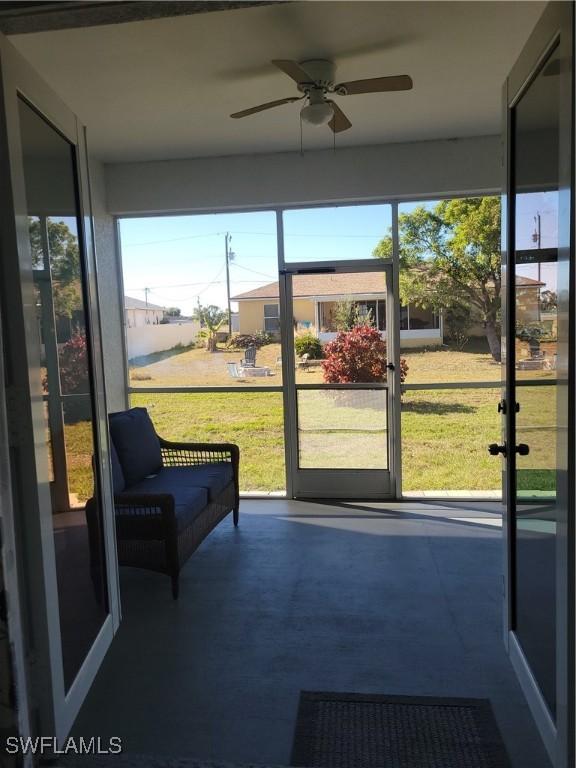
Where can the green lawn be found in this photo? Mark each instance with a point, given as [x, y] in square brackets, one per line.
[444, 433]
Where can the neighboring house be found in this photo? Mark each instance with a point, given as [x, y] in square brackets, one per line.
[528, 304]
[315, 301]
[138, 313]
[316, 297]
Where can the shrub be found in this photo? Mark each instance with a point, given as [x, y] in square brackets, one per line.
[73, 360]
[245, 340]
[73, 363]
[458, 322]
[308, 344]
[357, 356]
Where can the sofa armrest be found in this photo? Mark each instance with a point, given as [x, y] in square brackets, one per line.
[181, 454]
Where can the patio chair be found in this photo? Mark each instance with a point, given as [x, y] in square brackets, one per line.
[249, 360]
[235, 370]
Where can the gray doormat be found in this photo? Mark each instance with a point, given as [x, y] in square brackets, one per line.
[352, 730]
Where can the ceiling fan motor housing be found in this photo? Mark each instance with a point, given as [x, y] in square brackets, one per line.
[321, 73]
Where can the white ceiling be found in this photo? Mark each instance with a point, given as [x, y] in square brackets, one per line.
[164, 88]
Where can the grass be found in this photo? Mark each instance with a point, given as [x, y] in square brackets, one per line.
[198, 367]
[79, 441]
[444, 433]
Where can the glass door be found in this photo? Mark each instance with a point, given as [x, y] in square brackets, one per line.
[340, 379]
[539, 364]
[55, 393]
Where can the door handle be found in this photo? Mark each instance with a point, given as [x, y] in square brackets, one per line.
[494, 449]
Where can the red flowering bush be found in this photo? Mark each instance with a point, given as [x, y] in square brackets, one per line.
[357, 356]
[73, 359]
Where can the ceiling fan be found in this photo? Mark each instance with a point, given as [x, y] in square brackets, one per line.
[315, 80]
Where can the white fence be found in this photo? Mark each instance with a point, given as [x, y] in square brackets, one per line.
[143, 340]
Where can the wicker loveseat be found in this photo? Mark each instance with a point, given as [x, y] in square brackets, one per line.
[168, 496]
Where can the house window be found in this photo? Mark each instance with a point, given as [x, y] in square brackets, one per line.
[271, 318]
[404, 318]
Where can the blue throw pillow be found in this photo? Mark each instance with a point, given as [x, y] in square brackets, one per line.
[118, 482]
[136, 443]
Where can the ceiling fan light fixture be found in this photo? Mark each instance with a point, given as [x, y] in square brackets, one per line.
[317, 114]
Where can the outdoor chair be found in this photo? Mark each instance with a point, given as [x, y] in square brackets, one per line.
[304, 362]
[249, 360]
[168, 496]
[236, 371]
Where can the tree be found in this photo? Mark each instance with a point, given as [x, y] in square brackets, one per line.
[210, 319]
[450, 256]
[173, 312]
[548, 301]
[64, 263]
[347, 315]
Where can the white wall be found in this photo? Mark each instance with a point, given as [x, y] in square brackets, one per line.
[110, 294]
[143, 340]
[420, 169]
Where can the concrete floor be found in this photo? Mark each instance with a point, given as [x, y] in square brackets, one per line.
[399, 599]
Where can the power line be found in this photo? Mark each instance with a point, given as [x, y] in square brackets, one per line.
[255, 271]
[171, 240]
[238, 232]
[154, 288]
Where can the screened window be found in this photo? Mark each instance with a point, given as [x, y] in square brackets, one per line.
[271, 318]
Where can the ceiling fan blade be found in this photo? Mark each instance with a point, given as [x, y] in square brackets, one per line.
[339, 122]
[268, 105]
[293, 70]
[375, 85]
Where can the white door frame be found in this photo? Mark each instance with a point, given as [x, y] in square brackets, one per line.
[36, 558]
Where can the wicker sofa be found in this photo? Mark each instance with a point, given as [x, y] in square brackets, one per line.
[168, 496]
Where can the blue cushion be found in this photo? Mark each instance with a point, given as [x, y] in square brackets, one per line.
[189, 500]
[136, 443]
[214, 477]
[118, 482]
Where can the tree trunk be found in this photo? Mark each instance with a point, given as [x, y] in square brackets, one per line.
[493, 341]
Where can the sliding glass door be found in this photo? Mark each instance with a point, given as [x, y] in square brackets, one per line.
[56, 407]
[539, 379]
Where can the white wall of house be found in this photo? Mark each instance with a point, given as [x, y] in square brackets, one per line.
[417, 169]
[427, 337]
[145, 339]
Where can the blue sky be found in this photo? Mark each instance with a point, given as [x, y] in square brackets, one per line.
[181, 258]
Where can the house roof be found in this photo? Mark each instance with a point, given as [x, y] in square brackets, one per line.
[131, 303]
[339, 284]
[527, 282]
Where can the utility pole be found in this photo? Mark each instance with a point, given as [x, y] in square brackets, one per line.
[229, 257]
